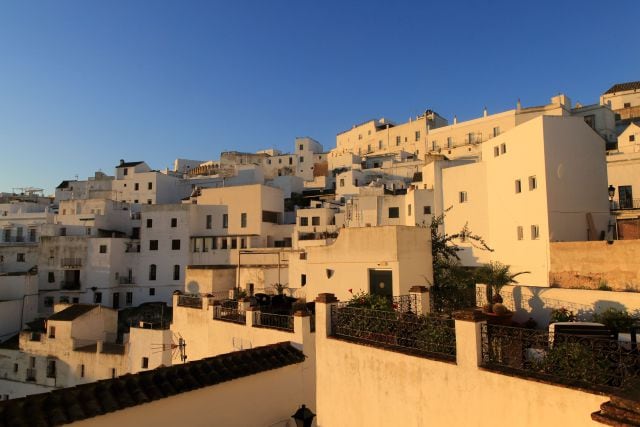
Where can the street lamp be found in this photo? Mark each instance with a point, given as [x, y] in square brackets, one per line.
[612, 193]
[303, 417]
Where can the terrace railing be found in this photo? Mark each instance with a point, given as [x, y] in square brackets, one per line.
[406, 332]
[229, 314]
[190, 301]
[594, 363]
[273, 321]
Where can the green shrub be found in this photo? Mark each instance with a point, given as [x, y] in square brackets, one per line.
[562, 315]
[614, 319]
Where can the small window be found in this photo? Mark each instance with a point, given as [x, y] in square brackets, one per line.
[153, 245]
[243, 243]
[341, 182]
[51, 277]
[145, 363]
[301, 159]
[315, 220]
[15, 367]
[632, 138]
[149, 223]
[434, 145]
[303, 279]
[234, 243]
[149, 201]
[129, 298]
[152, 272]
[176, 272]
[125, 172]
[103, 249]
[496, 131]
[243, 220]
[535, 232]
[304, 221]
[175, 244]
[462, 197]
[496, 151]
[97, 297]
[426, 210]
[398, 140]
[627, 105]
[518, 186]
[52, 331]
[449, 142]
[394, 212]
[174, 222]
[152, 291]
[225, 220]
[520, 232]
[209, 222]
[503, 148]
[20, 257]
[303, 255]
[150, 186]
[136, 186]
[380, 145]
[417, 135]
[533, 183]
[224, 244]
[82, 371]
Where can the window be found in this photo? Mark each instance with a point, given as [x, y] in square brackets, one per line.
[417, 135]
[152, 272]
[175, 244]
[63, 231]
[209, 221]
[149, 201]
[518, 186]
[315, 220]
[82, 371]
[449, 142]
[243, 243]
[503, 148]
[533, 183]
[243, 220]
[150, 186]
[88, 231]
[174, 222]
[51, 368]
[125, 172]
[632, 138]
[145, 363]
[301, 159]
[97, 297]
[398, 140]
[153, 245]
[7, 235]
[20, 257]
[225, 220]
[496, 131]
[176, 272]
[369, 148]
[149, 223]
[52, 331]
[341, 182]
[394, 212]
[224, 244]
[234, 243]
[51, 277]
[152, 291]
[304, 221]
[136, 186]
[590, 120]
[32, 234]
[627, 105]
[290, 160]
[434, 145]
[409, 210]
[535, 232]
[129, 298]
[103, 249]
[496, 151]
[520, 233]
[301, 147]
[426, 210]
[303, 279]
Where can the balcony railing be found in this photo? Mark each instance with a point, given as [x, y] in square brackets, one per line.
[71, 262]
[591, 362]
[424, 336]
[126, 280]
[190, 301]
[273, 321]
[626, 204]
[229, 314]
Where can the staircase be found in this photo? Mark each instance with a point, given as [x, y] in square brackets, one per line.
[620, 411]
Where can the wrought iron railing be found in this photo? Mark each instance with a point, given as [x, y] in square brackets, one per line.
[273, 321]
[447, 300]
[626, 204]
[579, 361]
[190, 301]
[229, 314]
[425, 336]
[71, 262]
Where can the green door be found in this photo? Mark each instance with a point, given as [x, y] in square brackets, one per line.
[380, 283]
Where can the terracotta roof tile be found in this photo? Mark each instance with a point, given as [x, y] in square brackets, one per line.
[621, 87]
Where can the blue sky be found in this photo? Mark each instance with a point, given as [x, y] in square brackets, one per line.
[84, 84]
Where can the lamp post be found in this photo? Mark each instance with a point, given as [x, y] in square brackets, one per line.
[303, 417]
[612, 193]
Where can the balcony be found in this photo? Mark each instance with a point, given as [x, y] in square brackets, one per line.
[70, 285]
[625, 204]
[125, 280]
[71, 262]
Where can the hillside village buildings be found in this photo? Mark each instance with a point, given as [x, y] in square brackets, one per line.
[303, 224]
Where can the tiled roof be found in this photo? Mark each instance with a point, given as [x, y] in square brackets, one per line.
[72, 312]
[128, 164]
[89, 400]
[621, 87]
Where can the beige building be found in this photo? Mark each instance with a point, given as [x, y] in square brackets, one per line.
[624, 100]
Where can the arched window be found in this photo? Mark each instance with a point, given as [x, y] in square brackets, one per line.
[152, 272]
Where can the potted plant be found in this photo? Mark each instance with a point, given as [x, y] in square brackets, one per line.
[496, 275]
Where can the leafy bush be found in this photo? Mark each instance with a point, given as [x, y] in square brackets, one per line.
[576, 361]
[370, 301]
[562, 314]
[614, 319]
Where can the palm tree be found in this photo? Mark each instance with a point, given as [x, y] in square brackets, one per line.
[496, 275]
